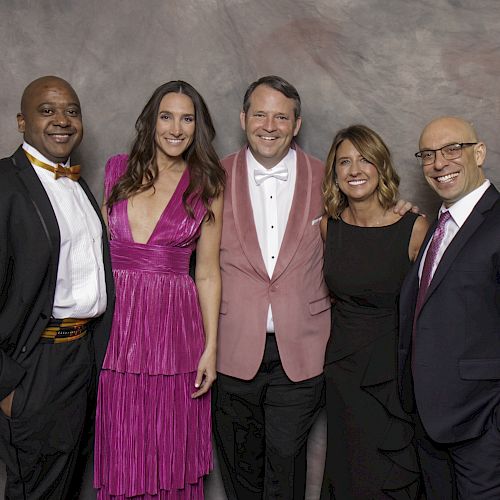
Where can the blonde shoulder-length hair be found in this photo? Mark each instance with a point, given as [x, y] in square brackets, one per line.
[371, 146]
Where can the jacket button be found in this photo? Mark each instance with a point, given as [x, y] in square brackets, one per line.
[24, 348]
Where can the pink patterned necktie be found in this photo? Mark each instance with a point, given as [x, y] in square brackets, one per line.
[430, 259]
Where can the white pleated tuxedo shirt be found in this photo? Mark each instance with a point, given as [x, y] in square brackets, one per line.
[271, 202]
[81, 286]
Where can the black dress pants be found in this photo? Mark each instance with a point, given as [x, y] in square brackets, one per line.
[45, 442]
[435, 462]
[261, 428]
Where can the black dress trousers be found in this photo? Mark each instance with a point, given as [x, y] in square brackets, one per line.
[45, 443]
[261, 428]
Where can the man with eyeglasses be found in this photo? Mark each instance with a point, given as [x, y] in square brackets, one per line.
[449, 348]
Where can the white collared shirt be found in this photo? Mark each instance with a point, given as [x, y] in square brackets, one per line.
[81, 286]
[459, 212]
[271, 202]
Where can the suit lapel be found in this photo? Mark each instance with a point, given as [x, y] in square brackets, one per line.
[469, 227]
[243, 214]
[39, 198]
[299, 213]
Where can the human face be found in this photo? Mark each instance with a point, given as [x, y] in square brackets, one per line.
[270, 125]
[51, 119]
[356, 176]
[453, 179]
[175, 126]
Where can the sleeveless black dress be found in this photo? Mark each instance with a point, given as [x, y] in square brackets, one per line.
[370, 454]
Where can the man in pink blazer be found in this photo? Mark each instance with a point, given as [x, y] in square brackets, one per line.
[275, 312]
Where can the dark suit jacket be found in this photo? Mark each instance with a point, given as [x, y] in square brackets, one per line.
[29, 255]
[456, 344]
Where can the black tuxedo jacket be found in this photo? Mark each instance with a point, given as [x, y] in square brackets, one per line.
[456, 344]
[29, 255]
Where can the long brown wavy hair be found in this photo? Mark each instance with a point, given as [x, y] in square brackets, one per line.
[371, 146]
[207, 177]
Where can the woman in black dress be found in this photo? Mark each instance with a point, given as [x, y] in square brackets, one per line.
[368, 251]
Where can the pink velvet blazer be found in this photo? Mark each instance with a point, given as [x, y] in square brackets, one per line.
[296, 291]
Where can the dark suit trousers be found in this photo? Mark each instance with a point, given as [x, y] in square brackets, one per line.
[261, 428]
[46, 441]
[477, 463]
[436, 465]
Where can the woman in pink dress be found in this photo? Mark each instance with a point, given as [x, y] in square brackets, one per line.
[163, 200]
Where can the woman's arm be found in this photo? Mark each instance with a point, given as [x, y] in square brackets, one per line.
[323, 225]
[208, 282]
[417, 237]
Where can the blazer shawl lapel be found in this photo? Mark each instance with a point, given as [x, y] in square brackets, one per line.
[469, 227]
[40, 200]
[299, 214]
[243, 215]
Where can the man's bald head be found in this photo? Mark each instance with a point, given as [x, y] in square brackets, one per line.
[50, 118]
[456, 156]
[40, 84]
[460, 126]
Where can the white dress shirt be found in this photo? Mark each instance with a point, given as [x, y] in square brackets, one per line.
[459, 212]
[271, 202]
[81, 286]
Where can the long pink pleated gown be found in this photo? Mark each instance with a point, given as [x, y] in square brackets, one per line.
[152, 439]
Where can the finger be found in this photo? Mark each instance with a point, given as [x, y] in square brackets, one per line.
[199, 377]
[205, 387]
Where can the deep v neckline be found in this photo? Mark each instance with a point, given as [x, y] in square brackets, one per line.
[162, 214]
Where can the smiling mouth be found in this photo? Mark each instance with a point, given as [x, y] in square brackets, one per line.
[443, 179]
[61, 137]
[357, 182]
[175, 141]
[267, 137]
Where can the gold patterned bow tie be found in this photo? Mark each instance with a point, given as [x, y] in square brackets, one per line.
[72, 172]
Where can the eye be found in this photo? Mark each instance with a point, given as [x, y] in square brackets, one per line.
[46, 111]
[282, 117]
[259, 115]
[426, 155]
[73, 112]
[344, 162]
[364, 160]
[164, 116]
[452, 148]
[189, 119]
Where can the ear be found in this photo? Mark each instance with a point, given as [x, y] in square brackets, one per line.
[298, 123]
[480, 153]
[21, 124]
[243, 117]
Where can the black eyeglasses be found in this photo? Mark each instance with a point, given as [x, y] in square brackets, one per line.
[449, 152]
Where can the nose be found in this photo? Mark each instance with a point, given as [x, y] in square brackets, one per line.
[354, 169]
[440, 160]
[61, 119]
[176, 128]
[269, 124]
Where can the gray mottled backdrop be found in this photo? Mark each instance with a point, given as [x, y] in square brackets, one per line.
[390, 64]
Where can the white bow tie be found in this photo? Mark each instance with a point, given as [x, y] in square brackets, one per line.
[280, 173]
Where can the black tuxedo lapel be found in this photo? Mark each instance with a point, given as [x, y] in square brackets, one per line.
[41, 205]
[469, 227]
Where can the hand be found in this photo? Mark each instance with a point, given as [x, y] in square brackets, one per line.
[206, 373]
[6, 404]
[403, 206]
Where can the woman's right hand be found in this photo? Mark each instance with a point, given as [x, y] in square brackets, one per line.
[6, 404]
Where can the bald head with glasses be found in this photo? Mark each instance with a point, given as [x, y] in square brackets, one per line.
[451, 156]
